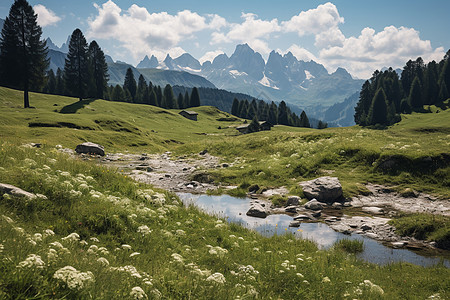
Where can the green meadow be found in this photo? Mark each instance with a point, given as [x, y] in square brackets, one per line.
[94, 234]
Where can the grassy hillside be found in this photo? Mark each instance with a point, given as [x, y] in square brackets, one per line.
[92, 233]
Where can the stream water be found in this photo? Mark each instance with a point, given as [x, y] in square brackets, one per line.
[234, 209]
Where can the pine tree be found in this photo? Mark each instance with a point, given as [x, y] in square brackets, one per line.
[152, 98]
[169, 97]
[23, 55]
[378, 109]
[141, 89]
[59, 82]
[76, 71]
[187, 100]
[129, 84]
[118, 94]
[159, 96]
[322, 125]
[195, 98]
[273, 113]
[99, 69]
[180, 101]
[304, 121]
[244, 110]
[50, 86]
[415, 94]
[443, 92]
[363, 105]
[431, 87]
[254, 125]
[235, 107]
[282, 114]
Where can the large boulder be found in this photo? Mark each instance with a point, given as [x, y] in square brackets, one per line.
[90, 148]
[257, 210]
[325, 189]
[15, 191]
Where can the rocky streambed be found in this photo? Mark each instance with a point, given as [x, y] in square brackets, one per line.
[367, 215]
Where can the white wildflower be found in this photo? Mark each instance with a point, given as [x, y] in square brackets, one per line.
[48, 232]
[256, 249]
[83, 187]
[103, 261]
[138, 293]
[2, 248]
[372, 287]
[300, 275]
[103, 251]
[73, 237]
[144, 230]
[232, 236]
[326, 279]
[305, 281]
[219, 251]
[134, 254]
[32, 261]
[19, 230]
[83, 243]
[41, 197]
[90, 178]
[177, 257]
[92, 249]
[52, 255]
[156, 294]
[8, 219]
[126, 247]
[147, 282]
[75, 280]
[216, 278]
[64, 174]
[32, 242]
[57, 245]
[435, 296]
[221, 225]
[75, 193]
[37, 237]
[94, 239]
[128, 269]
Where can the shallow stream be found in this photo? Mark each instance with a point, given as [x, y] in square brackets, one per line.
[234, 209]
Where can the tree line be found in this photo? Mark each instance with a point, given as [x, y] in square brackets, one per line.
[386, 95]
[272, 113]
[150, 94]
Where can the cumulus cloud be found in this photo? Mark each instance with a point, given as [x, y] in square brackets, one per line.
[142, 32]
[370, 50]
[210, 55]
[252, 30]
[323, 22]
[45, 17]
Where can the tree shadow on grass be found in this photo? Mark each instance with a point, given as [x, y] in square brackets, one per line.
[74, 107]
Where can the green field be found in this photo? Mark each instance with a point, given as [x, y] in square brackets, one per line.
[130, 235]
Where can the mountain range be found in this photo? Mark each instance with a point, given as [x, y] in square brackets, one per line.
[282, 77]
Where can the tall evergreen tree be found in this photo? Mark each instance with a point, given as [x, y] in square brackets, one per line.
[153, 100]
[98, 68]
[187, 100]
[76, 70]
[431, 87]
[141, 88]
[170, 98]
[235, 107]
[254, 125]
[363, 105]
[273, 114]
[378, 109]
[304, 121]
[415, 94]
[195, 98]
[283, 114]
[59, 82]
[50, 86]
[23, 55]
[129, 83]
[159, 97]
[443, 92]
[118, 94]
[180, 101]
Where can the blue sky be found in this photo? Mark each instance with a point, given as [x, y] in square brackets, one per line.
[360, 36]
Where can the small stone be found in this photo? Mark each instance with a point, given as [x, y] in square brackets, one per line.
[291, 209]
[295, 224]
[293, 200]
[366, 227]
[313, 205]
[203, 152]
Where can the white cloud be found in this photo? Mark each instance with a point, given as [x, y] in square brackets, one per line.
[45, 17]
[252, 30]
[370, 51]
[143, 33]
[322, 21]
[300, 53]
[210, 55]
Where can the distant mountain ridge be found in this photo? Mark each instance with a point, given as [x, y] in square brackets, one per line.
[282, 77]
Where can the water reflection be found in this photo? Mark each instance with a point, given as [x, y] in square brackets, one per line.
[235, 208]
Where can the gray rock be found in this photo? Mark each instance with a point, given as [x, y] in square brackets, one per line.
[293, 200]
[90, 148]
[342, 228]
[327, 189]
[371, 235]
[257, 210]
[331, 219]
[316, 214]
[373, 210]
[313, 205]
[366, 227]
[400, 244]
[302, 217]
[295, 224]
[336, 205]
[291, 209]
[203, 152]
[15, 191]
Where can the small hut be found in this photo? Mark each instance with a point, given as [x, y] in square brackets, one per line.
[189, 114]
[265, 125]
[243, 128]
